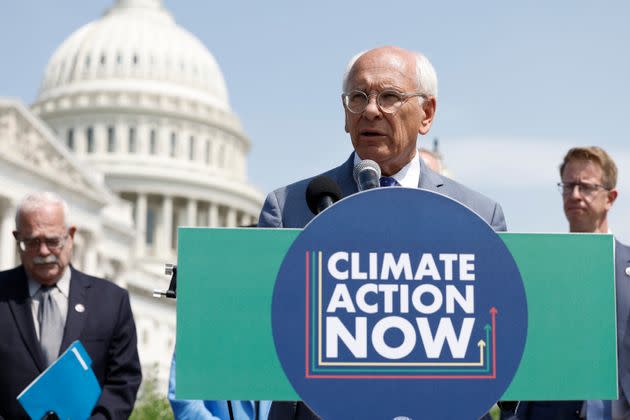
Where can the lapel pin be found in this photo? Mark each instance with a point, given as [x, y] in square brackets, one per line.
[79, 308]
[627, 271]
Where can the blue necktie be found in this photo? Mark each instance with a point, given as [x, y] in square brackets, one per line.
[388, 181]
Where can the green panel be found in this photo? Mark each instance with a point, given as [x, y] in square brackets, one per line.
[571, 343]
[225, 345]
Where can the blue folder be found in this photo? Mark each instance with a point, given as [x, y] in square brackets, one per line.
[68, 387]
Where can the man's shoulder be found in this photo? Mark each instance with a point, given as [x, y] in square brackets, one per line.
[460, 190]
[483, 206]
[286, 206]
[340, 174]
[465, 191]
[97, 283]
[12, 280]
[623, 250]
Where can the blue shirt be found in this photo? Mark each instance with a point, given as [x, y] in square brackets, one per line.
[213, 410]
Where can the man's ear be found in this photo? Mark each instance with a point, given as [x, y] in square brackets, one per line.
[428, 108]
[71, 231]
[345, 113]
[612, 196]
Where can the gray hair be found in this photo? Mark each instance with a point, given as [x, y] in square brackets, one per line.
[426, 78]
[34, 201]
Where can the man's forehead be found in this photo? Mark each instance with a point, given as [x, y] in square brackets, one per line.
[582, 168]
[48, 216]
[383, 68]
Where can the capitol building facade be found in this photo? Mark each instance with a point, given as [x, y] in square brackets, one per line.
[132, 126]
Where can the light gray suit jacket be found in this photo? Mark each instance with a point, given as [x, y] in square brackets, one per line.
[286, 207]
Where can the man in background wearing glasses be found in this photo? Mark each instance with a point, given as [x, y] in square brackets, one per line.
[588, 187]
[46, 304]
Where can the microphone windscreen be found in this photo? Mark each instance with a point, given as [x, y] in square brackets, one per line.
[366, 164]
[320, 187]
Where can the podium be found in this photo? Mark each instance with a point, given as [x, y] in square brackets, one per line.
[225, 337]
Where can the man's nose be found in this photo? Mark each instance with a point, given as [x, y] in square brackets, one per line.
[43, 248]
[372, 110]
[575, 192]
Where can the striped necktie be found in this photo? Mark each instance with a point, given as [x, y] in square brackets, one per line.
[388, 181]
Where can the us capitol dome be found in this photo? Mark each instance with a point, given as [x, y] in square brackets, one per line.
[133, 126]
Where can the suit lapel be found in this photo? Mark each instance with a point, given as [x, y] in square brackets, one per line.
[343, 177]
[429, 180]
[77, 299]
[21, 308]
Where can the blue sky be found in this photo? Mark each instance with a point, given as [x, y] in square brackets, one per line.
[519, 82]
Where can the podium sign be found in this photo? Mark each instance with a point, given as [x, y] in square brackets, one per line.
[225, 344]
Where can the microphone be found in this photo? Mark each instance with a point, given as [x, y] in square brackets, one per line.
[367, 174]
[321, 193]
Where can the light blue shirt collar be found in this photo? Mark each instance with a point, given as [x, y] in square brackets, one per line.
[63, 284]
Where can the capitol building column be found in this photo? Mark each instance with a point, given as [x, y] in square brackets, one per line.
[231, 218]
[213, 215]
[90, 256]
[245, 220]
[141, 224]
[191, 213]
[166, 244]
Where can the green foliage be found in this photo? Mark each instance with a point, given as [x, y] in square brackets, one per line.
[495, 412]
[151, 405]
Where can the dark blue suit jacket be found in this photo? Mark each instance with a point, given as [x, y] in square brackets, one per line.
[106, 329]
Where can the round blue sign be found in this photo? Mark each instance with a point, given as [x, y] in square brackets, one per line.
[399, 303]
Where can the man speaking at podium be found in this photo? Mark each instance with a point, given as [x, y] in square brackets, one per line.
[45, 305]
[389, 98]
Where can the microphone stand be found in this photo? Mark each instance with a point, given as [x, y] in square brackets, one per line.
[171, 292]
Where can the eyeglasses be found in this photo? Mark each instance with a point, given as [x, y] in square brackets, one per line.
[388, 101]
[585, 189]
[54, 244]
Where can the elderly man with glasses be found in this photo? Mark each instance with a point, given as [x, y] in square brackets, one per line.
[588, 187]
[46, 304]
[389, 99]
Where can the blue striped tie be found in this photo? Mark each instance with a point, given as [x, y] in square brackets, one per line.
[388, 181]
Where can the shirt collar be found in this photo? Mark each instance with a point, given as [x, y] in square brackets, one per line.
[408, 176]
[63, 284]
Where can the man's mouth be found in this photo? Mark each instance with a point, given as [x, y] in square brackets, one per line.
[371, 133]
